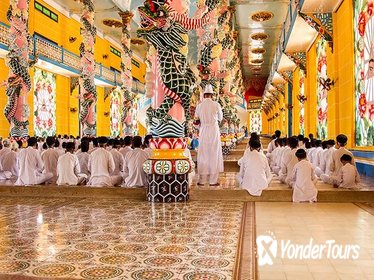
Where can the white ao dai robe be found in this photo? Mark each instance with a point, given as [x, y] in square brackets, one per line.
[304, 186]
[209, 155]
[30, 168]
[100, 165]
[289, 160]
[133, 169]
[50, 158]
[68, 170]
[255, 174]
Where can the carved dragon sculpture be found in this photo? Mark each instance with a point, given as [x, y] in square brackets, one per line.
[19, 83]
[166, 30]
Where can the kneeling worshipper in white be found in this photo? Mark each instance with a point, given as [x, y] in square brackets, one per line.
[289, 160]
[50, 158]
[118, 158]
[8, 161]
[68, 169]
[126, 146]
[255, 174]
[31, 165]
[101, 165]
[83, 157]
[348, 176]
[303, 179]
[133, 169]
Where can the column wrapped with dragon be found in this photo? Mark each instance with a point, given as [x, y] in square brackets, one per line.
[166, 29]
[88, 94]
[210, 50]
[19, 83]
[126, 76]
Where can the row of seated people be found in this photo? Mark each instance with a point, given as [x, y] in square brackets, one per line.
[298, 162]
[98, 161]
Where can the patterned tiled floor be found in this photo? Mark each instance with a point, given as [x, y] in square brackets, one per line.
[118, 239]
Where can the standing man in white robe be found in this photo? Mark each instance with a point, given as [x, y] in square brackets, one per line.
[209, 156]
[133, 169]
[101, 165]
[31, 165]
[68, 169]
[255, 174]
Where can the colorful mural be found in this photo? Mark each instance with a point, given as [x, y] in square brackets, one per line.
[44, 103]
[301, 101]
[255, 121]
[115, 113]
[322, 91]
[364, 75]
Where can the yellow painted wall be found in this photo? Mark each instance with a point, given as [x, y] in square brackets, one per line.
[103, 122]
[331, 98]
[73, 118]
[285, 102]
[3, 9]
[344, 75]
[67, 122]
[62, 105]
[265, 124]
[295, 102]
[282, 123]
[4, 125]
[311, 91]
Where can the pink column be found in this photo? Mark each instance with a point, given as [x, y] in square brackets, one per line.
[88, 95]
[126, 76]
[18, 84]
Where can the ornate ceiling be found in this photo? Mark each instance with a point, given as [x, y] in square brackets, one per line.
[259, 23]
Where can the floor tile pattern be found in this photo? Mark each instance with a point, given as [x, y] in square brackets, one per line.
[118, 239]
[345, 223]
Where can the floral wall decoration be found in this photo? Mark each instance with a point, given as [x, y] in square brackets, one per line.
[364, 71]
[18, 84]
[115, 113]
[255, 121]
[44, 103]
[301, 104]
[88, 94]
[322, 92]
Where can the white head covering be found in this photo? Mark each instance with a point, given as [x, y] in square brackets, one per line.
[208, 89]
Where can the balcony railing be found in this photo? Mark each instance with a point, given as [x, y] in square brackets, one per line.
[68, 60]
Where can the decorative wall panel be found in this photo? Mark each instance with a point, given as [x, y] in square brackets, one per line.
[44, 103]
[301, 104]
[364, 72]
[256, 120]
[115, 113]
[322, 92]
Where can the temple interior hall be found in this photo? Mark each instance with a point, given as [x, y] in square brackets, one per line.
[186, 139]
